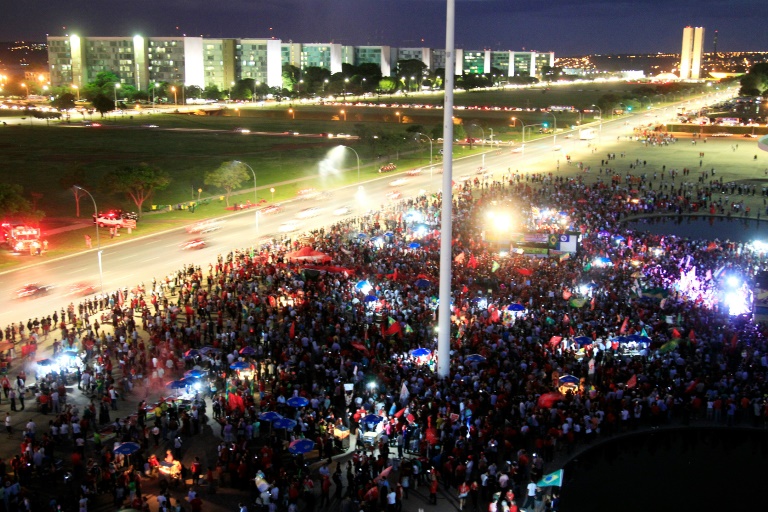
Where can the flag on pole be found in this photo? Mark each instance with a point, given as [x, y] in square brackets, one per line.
[552, 480]
[495, 266]
[632, 382]
[404, 393]
[292, 330]
[624, 326]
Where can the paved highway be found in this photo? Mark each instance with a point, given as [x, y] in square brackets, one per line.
[139, 260]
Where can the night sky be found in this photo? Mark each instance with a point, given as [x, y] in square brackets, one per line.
[567, 27]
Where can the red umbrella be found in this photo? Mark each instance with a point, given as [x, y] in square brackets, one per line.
[400, 412]
[359, 346]
[385, 473]
[549, 399]
[372, 494]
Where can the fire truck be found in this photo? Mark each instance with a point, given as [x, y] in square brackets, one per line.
[21, 238]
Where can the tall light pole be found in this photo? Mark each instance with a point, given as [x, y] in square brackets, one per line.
[358, 160]
[117, 86]
[601, 116]
[77, 91]
[154, 91]
[344, 113]
[293, 114]
[255, 192]
[554, 138]
[26, 88]
[514, 121]
[98, 241]
[325, 84]
[430, 151]
[173, 89]
[346, 81]
[398, 117]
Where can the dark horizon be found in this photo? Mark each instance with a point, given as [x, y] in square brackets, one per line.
[567, 27]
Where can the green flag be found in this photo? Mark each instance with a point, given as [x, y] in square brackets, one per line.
[408, 329]
[495, 266]
[577, 303]
[552, 480]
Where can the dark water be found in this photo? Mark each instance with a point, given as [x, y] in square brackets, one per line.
[705, 228]
[707, 469]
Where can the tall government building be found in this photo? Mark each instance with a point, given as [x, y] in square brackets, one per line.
[140, 61]
[690, 55]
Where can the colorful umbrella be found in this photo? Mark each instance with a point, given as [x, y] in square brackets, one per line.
[474, 358]
[569, 379]
[414, 245]
[583, 340]
[210, 350]
[191, 353]
[240, 365]
[371, 418]
[270, 416]
[516, 307]
[297, 401]
[371, 298]
[195, 374]
[248, 351]
[422, 283]
[420, 352]
[384, 473]
[285, 423]
[177, 384]
[301, 446]
[127, 448]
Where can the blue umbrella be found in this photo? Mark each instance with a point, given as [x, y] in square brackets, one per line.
[569, 379]
[620, 339]
[177, 384]
[127, 448]
[248, 351]
[371, 418]
[285, 423]
[240, 365]
[362, 236]
[420, 352]
[637, 338]
[301, 446]
[360, 285]
[191, 353]
[389, 233]
[516, 307]
[583, 340]
[371, 298]
[208, 350]
[414, 245]
[195, 374]
[270, 416]
[71, 352]
[297, 401]
[474, 358]
[422, 283]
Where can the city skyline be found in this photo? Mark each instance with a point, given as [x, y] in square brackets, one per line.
[566, 27]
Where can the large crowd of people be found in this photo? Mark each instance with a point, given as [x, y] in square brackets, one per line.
[263, 327]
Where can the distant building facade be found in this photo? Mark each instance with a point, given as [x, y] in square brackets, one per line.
[196, 61]
[691, 53]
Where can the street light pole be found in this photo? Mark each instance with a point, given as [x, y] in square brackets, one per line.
[601, 116]
[515, 120]
[430, 151]
[358, 160]
[255, 193]
[175, 101]
[77, 90]
[117, 86]
[98, 241]
[554, 138]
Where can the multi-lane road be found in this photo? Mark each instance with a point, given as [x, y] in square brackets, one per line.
[140, 259]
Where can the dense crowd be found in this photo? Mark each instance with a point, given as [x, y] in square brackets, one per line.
[304, 329]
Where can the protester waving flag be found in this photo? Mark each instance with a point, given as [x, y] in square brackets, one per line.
[552, 480]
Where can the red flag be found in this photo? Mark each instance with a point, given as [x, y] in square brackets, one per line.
[571, 331]
[592, 304]
[555, 341]
[624, 326]
[393, 329]
[632, 382]
[292, 330]
[524, 271]
[566, 319]
[676, 334]
[691, 386]
[472, 262]
[120, 298]
[566, 294]
[459, 259]
[692, 336]
[272, 301]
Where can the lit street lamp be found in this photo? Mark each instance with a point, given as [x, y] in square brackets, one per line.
[344, 113]
[293, 114]
[358, 160]
[24, 85]
[98, 241]
[255, 193]
[272, 190]
[154, 90]
[554, 138]
[601, 116]
[117, 86]
[173, 89]
[346, 81]
[77, 91]
[398, 117]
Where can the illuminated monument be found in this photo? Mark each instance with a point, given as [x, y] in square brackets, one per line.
[690, 56]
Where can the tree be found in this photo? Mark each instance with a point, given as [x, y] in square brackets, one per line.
[137, 182]
[68, 182]
[103, 104]
[291, 76]
[755, 82]
[14, 204]
[387, 85]
[65, 101]
[212, 92]
[229, 176]
[104, 83]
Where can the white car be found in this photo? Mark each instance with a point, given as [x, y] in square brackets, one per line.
[342, 210]
[289, 227]
[398, 182]
[308, 213]
[205, 226]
